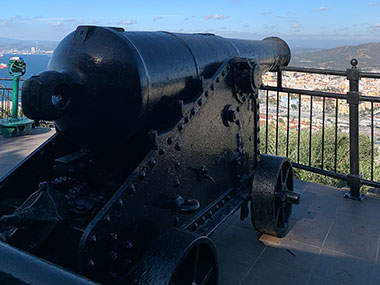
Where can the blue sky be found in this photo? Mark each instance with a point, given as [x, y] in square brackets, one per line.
[307, 23]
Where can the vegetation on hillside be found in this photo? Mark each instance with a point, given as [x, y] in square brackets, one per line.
[343, 150]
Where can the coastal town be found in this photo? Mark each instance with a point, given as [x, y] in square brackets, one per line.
[290, 103]
[32, 50]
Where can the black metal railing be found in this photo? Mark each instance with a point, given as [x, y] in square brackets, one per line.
[352, 96]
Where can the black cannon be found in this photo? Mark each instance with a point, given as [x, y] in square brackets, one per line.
[157, 144]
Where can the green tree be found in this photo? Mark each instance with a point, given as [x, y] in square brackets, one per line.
[315, 152]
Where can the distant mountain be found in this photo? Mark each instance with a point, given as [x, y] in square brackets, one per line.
[6, 43]
[368, 56]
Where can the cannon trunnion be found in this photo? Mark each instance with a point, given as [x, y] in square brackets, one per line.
[141, 210]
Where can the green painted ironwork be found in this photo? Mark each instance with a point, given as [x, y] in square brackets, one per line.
[16, 68]
[15, 126]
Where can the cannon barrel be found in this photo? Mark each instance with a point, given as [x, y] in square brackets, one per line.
[104, 84]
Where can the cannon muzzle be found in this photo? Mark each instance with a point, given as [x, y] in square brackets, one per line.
[47, 96]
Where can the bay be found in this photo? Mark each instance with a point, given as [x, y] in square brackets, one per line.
[35, 63]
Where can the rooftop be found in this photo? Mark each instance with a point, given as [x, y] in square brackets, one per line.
[332, 240]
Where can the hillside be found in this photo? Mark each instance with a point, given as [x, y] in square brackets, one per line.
[368, 56]
[6, 44]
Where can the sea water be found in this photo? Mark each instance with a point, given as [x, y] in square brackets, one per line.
[35, 63]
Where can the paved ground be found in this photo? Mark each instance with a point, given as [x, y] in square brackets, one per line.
[13, 150]
[332, 241]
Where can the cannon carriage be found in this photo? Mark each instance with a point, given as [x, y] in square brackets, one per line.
[157, 144]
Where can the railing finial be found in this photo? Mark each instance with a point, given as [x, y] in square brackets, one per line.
[354, 62]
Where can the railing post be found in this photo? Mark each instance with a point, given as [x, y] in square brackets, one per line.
[279, 78]
[353, 99]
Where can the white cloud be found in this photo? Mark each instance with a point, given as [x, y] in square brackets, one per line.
[322, 8]
[157, 18]
[377, 26]
[372, 3]
[128, 22]
[215, 17]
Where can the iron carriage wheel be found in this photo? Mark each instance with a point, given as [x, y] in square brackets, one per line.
[179, 258]
[272, 195]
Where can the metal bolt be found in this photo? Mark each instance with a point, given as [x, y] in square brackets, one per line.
[177, 146]
[170, 140]
[217, 80]
[161, 151]
[206, 93]
[212, 87]
[180, 126]
[237, 109]
[120, 203]
[142, 174]
[238, 122]
[90, 263]
[112, 275]
[177, 183]
[107, 219]
[128, 245]
[131, 189]
[127, 261]
[186, 119]
[113, 256]
[192, 111]
[200, 102]
[177, 164]
[113, 237]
